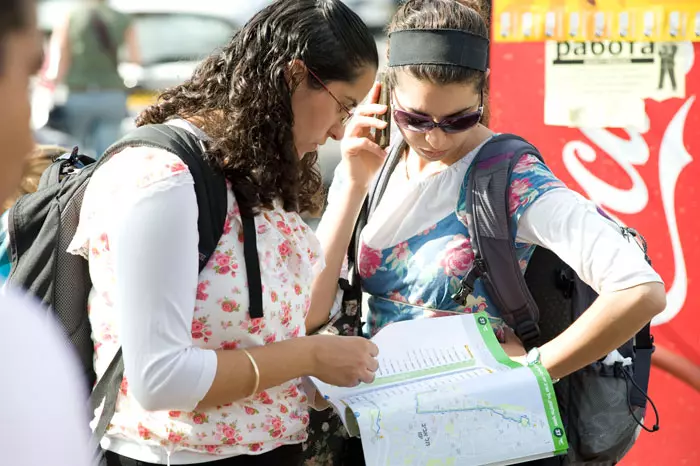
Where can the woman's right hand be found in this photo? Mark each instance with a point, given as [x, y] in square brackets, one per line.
[344, 361]
[361, 153]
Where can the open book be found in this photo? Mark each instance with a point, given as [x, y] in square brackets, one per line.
[447, 394]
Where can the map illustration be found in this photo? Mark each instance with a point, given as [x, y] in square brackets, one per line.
[457, 401]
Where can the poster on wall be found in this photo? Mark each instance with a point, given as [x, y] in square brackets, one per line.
[604, 84]
[645, 174]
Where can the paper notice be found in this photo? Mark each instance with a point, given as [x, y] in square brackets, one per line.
[604, 84]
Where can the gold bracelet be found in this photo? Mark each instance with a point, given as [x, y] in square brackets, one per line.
[257, 372]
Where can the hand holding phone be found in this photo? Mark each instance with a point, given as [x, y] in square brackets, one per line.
[383, 135]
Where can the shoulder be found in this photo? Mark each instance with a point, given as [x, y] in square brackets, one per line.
[530, 179]
[128, 177]
[143, 168]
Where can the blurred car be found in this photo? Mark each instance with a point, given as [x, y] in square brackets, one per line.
[172, 44]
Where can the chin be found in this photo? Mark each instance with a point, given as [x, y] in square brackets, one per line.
[309, 150]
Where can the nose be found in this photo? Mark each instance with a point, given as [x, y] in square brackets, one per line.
[337, 131]
[436, 138]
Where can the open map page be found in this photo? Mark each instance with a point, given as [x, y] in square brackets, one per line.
[447, 394]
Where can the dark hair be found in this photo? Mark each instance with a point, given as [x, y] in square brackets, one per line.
[242, 97]
[443, 14]
[14, 16]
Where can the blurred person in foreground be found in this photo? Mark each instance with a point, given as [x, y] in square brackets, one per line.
[42, 407]
[206, 379]
[84, 56]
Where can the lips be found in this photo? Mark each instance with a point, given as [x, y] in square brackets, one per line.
[431, 154]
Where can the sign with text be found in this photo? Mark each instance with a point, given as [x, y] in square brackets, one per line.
[604, 84]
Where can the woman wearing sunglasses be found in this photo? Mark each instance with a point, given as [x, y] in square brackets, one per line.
[414, 249]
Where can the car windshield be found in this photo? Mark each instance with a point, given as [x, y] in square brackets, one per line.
[171, 37]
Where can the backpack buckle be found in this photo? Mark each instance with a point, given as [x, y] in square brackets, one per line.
[527, 331]
[466, 286]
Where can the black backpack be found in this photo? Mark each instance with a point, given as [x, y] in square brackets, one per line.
[602, 406]
[42, 224]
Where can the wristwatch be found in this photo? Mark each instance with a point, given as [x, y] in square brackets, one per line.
[533, 358]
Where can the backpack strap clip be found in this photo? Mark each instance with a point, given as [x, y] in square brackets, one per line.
[466, 286]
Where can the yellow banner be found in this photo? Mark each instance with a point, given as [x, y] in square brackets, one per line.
[591, 20]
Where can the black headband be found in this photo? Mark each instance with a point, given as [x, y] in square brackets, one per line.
[438, 47]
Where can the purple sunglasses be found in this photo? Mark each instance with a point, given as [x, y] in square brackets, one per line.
[423, 123]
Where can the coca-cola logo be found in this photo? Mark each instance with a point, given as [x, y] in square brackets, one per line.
[633, 174]
[630, 153]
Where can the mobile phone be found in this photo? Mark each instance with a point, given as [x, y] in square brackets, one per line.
[383, 135]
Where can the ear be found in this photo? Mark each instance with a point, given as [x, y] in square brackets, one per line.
[295, 73]
[488, 73]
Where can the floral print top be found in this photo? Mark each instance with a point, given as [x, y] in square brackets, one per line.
[416, 247]
[289, 257]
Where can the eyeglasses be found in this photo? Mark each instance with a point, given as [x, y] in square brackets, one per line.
[344, 108]
[423, 123]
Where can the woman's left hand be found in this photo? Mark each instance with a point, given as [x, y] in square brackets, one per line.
[514, 347]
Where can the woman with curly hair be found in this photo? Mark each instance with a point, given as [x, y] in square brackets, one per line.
[204, 381]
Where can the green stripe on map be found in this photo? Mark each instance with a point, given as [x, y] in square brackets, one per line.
[492, 343]
[551, 409]
[414, 375]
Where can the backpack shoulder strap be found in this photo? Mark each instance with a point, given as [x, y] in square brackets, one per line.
[381, 181]
[376, 191]
[209, 185]
[491, 231]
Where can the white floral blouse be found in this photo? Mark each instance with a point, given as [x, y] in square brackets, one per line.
[129, 221]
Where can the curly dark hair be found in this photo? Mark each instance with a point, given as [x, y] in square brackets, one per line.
[241, 97]
[467, 15]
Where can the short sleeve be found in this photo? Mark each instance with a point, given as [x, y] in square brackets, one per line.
[530, 179]
[592, 244]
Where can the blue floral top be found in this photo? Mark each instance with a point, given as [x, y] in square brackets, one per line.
[415, 275]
